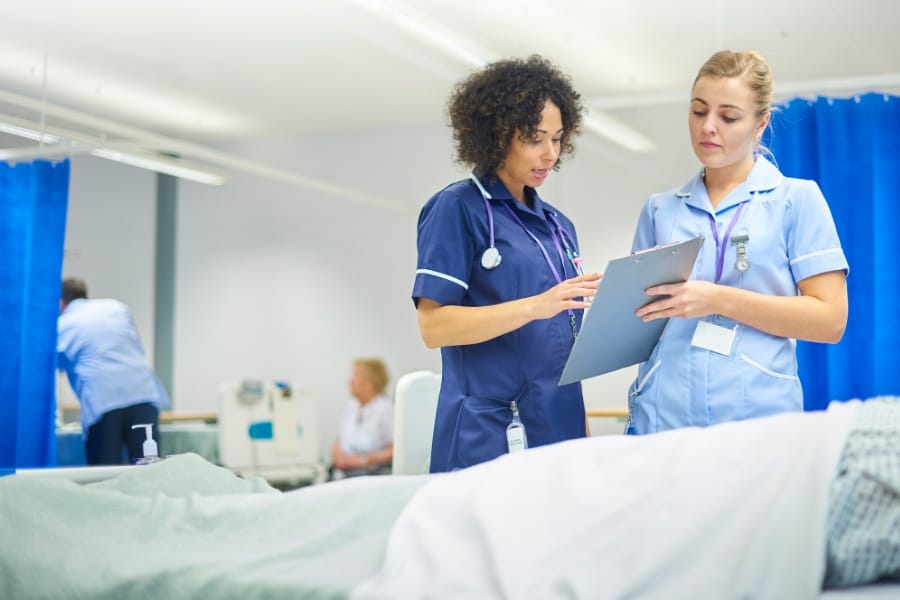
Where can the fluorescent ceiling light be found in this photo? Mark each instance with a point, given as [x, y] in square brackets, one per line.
[429, 32]
[65, 142]
[162, 165]
[31, 134]
[129, 138]
[615, 131]
[38, 152]
[444, 41]
[458, 47]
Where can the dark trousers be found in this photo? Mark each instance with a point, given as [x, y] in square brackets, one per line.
[107, 437]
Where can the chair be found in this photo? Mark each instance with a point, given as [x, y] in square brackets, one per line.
[415, 405]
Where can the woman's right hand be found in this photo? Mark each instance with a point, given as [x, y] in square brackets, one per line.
[566, 295]
[451, 325]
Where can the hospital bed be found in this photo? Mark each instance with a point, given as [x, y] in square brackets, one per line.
[581, 519]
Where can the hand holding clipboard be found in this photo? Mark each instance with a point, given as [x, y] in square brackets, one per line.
[611, 336]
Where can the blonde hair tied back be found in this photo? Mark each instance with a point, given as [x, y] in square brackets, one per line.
[750, 66]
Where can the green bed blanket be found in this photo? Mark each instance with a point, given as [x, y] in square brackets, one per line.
[185, 528]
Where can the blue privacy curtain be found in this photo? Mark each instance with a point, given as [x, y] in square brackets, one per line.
[33, 199]
[851, 147]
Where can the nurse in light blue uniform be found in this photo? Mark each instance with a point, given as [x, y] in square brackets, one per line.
[498, 286]
[771, 269]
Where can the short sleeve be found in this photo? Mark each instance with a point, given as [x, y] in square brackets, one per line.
[445, 250]
[813, 244]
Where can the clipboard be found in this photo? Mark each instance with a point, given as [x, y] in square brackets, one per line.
[611, 336]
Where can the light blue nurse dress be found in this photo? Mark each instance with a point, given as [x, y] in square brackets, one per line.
[480, 381]
[790, 236]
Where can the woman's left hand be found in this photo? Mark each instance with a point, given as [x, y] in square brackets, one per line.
[689, 299]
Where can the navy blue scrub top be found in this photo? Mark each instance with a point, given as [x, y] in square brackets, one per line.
[479, 381]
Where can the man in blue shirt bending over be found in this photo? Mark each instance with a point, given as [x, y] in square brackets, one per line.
[99, 349]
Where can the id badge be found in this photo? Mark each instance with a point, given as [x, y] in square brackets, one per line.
[714, 338]
[515, 438]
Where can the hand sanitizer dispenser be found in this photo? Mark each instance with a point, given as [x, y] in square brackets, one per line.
[151, 453]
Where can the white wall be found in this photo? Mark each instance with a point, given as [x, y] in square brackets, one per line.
[278, 282]
[110, 235]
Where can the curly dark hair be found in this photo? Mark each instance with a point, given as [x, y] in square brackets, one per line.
[489, 106]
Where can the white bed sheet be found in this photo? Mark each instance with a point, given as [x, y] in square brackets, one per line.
[732, 511]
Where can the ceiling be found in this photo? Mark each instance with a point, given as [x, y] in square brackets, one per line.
[188, 76]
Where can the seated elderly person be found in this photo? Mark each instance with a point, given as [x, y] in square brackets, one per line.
[365, 444]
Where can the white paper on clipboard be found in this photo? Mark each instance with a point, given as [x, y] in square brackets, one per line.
[611, 336]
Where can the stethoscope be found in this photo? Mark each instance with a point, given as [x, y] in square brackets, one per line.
[491, 258]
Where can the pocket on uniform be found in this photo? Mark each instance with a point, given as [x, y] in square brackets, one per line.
[760, 367]
[641, 381]
[773, 392]
[481, 432]
[638, 413]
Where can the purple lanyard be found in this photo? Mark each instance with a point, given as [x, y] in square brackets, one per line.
[570, 251]
[547, 258]
[722, 245]
[559, 249]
